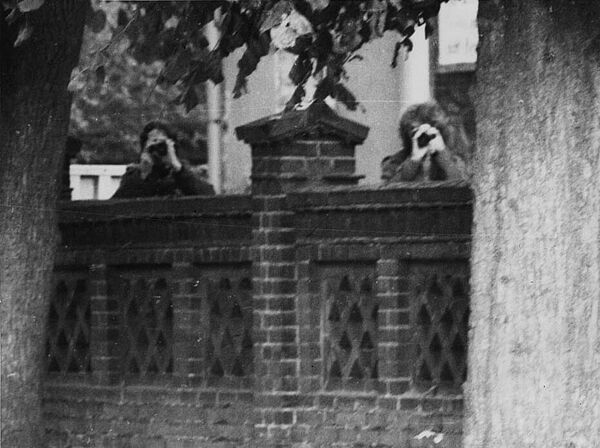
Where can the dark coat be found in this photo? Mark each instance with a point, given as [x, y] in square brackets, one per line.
[165, 183]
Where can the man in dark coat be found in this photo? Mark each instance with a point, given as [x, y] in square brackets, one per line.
[160, 172]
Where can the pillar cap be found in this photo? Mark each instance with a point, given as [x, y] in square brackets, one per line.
[318, 119]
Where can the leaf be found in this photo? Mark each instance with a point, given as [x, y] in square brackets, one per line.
[177, 66]
[24, 33]
[378, 9]
[302, 44]
[201, 41]
[366, 32]
[214, 68]
[292, 27]
[241, 87]
[304, 8]
[317, 5]
[341, 93]
[206, 65]
[348, 37]
[397, 48]
[199, 14]
[321, 49]
[296, 98]
[190, 99]
[100, 73]
[301, 69]
[255, 50]
[235, 30]
[324, 88]
[405, 43]
[96, 20]
[409, 28]
[123, 18]
[402, 19]
[29, 5]
[274, 16]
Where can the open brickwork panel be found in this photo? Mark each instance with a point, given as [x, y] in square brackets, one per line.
[69, 318]
[146, 320]
[228, 312]
[350, 327]
[440, 297]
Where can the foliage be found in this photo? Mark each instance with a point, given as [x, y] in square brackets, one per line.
[324, 34]
[114, 95]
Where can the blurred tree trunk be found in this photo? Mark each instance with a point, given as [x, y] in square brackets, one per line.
[534, 360]
[34, 115]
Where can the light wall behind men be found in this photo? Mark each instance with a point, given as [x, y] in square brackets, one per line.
[375, 83]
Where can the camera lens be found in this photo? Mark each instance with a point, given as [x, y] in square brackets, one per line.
[159, 149]
[424, 139]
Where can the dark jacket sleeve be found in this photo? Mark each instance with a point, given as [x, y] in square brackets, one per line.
[387, 169]
[131, 185]
[407, 171]
[395, 169]
[191, 184]
[452, 165]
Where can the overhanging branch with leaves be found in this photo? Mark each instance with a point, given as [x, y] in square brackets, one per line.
[323, 34]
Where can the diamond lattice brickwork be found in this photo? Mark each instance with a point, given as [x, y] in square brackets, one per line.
[69, 318]
[440, 297]
[147, 322]
[229, 345]
[350, 324]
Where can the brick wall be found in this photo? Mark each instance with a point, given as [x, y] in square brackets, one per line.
[330, 316]
[302, 320]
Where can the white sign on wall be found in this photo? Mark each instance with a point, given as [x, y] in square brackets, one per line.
[458, 35]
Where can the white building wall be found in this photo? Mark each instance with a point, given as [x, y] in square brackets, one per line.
[383, 91]
[260, 101]
[94, 181]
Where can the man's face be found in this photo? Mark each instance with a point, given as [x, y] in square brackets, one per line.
[155, 137]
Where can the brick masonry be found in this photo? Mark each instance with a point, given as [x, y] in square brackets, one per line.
[282, 319]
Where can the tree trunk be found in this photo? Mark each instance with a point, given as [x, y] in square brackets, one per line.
[534, 356]
[34, 116]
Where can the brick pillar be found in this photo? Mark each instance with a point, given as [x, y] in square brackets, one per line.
[299, 149]
[188, 328]
[395, 351]
[314, 147]
[275, 322]
[104, 327]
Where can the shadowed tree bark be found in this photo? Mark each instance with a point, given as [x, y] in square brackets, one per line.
[534, 360]
[34, 116]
